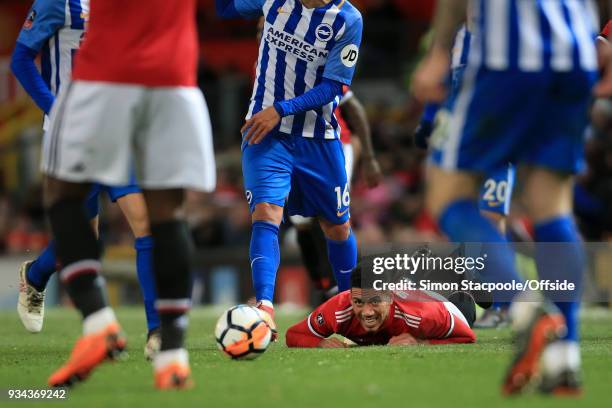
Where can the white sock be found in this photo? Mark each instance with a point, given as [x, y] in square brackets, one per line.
[561, 355]
[163, 358]
[97, 321]
[267, 303]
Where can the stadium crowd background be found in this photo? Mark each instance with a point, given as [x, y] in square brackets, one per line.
[395, 33]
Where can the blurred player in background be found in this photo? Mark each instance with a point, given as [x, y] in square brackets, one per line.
[375, 317]
[133, 102]
[541, 57]
[291, 139]
[54, 29]
[496, 191]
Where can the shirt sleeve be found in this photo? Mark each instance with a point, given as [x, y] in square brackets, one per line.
[45, 18]
[322, 321]
[250, 8]
[458, 332]
[318, 96]
[319, 325]
[343, 57]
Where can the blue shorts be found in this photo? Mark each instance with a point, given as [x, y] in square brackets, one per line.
[309, 172]
[114, 193]
[496, 192]
[515, 117]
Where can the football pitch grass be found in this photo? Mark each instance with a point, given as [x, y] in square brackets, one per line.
[421, 376]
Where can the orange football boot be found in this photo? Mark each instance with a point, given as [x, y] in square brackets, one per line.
[546, 326]
[174, 376]
[88, 352]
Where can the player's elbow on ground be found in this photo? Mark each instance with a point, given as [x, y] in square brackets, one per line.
[292, 337]
[470, 338]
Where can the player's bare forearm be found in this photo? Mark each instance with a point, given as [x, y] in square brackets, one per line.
[357, 119]
[449, 16]
[428, 83]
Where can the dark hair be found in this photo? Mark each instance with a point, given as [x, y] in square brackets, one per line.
[362, 276]
[356, 281]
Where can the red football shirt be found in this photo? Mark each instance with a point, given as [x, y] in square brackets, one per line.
[423, 316]
[345, 131]
[151, 43]
[605, 32]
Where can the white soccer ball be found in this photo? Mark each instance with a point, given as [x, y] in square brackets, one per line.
[243, 332]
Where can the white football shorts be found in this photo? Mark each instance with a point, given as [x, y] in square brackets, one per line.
[101, 131]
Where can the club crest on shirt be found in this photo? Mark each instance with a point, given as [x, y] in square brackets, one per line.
[324, 32]
[29, 22]
[320, 319]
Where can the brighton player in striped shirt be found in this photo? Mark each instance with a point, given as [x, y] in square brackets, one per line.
[54, 29]
[367, 317]
[495, 194]
[525, 98]
[291, 145]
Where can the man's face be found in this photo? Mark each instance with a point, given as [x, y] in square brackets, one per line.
[371, 307]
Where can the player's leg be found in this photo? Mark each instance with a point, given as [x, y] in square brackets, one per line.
[177, 126]
[172, 254]
[79, 254]
[266, 168]
[132, 204]
[554, 155]
[34, 275]
[341, 251]
[313, 248]
[559, 251]
[559, 256]
[322, 189]
[89, 140]
[495, 200]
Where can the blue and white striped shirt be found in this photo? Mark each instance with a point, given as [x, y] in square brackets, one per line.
[300, 47]
[461, 48]
[534, 35]
[55, 29]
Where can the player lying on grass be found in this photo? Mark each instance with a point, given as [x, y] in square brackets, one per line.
[372, 317]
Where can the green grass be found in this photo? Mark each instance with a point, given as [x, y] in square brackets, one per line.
[443, 376]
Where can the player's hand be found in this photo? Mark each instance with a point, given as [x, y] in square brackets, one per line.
[332, 342]
[428, 82]
[422, 134]
[404, 339]
[371, 171]
[260, 125]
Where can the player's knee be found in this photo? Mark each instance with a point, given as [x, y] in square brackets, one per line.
[548, 194]
[55, 190]
[139, 223]
[443, 188]
[137, 217]
[335, 232]
[164, 205]
[268, 212]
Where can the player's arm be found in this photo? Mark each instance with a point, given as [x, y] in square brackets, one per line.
[459, 332]
[44, 19]
[357, 119]
[239, 8]
[428, 83]
[423, 132]
[315, 329]
[263, 122]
